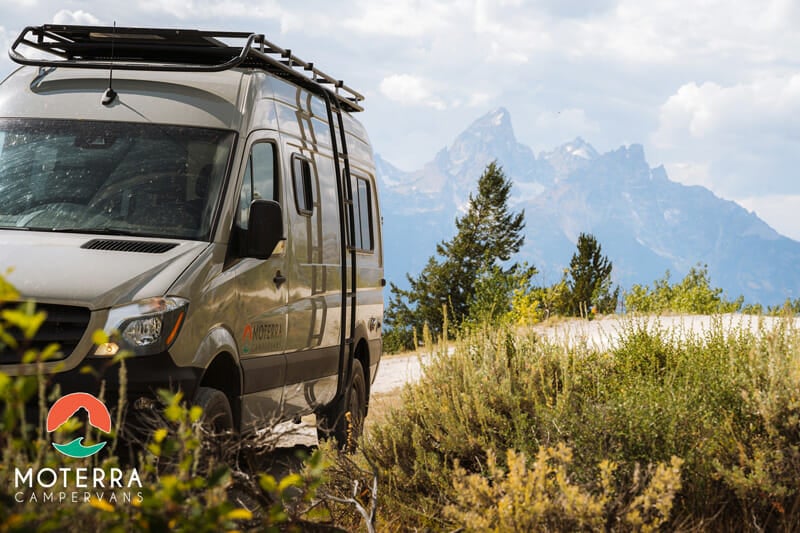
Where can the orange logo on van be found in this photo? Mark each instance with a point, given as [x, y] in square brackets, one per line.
[247, 338]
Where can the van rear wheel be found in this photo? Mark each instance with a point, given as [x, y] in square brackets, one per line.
[345, 420]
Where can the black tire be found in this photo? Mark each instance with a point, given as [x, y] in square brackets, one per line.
[335, 423]
[217, 412]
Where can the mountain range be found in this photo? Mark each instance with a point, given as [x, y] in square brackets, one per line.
[645, 222]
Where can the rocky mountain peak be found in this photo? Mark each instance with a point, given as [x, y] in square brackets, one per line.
[492, 129]
[490, 137]
[569, 157]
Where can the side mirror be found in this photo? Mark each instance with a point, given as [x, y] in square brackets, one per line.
[265, 228]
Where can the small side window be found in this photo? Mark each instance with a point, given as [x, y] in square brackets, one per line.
[364, 234]
[303, 189]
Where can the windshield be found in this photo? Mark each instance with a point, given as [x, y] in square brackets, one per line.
[111, 177]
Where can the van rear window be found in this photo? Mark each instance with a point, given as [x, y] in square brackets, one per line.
[111, 177]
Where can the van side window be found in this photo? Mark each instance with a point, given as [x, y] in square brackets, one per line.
[303, 190]
[363, 200]
[260, 182]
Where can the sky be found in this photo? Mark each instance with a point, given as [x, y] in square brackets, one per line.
[710, 88]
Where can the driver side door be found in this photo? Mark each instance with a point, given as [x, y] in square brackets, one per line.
[262, 293]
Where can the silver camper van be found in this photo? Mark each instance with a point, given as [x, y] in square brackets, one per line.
[209, 200]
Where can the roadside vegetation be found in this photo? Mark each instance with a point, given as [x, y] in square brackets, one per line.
[666, 428]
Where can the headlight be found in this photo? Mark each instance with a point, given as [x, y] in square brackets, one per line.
[146, 327]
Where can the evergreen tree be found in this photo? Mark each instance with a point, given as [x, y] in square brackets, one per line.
[590, 278]
[487, 235]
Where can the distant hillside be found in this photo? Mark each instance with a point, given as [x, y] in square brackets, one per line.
[645, 222]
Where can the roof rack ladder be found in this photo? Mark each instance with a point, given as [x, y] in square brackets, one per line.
[351, 208]
[344, 192]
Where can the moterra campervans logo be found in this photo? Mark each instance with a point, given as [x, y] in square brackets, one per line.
[71, 483]
[62, 411]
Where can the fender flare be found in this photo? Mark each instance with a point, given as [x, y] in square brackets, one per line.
[219, 339]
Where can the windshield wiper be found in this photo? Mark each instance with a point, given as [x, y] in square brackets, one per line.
[89, 231]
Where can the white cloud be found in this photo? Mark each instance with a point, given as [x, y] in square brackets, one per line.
[78, 17]
[511, 31]
[16, 4]
[403, 18]
[410, 90]
[499, 53]
[682, 32]
[211, 9]
[690, 173]
[739, 138]
[479, 99]
[759, 107]
[5, 62]
[566, 124]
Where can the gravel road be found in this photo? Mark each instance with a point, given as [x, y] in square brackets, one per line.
[396, 371]
[603, 332]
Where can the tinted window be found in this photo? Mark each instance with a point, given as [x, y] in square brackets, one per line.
[259, 182]
[264, 185]
[364, 239]
[111, 177]
[303, 189]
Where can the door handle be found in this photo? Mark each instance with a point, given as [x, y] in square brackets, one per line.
[279, 279]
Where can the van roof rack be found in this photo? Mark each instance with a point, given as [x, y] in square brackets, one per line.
[177, 50]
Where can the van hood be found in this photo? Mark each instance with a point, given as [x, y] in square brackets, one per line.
[54, 267]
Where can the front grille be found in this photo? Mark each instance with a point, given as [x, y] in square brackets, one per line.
[64, 325]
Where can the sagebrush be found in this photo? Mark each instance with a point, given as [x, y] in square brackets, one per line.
[720, 407]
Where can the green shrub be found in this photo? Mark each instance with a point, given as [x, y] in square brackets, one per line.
[724, 401]
[544, 498]
[694, 294]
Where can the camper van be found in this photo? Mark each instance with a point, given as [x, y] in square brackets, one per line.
[207, 199]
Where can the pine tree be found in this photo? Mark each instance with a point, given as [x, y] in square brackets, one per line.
[487, 235]
[590, 278]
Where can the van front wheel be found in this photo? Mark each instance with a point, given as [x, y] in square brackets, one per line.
[217, 414]
[344, 421]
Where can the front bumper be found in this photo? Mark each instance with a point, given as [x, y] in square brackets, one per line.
[143, 377]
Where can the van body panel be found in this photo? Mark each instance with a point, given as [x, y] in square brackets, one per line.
[311, 379]
[262, 401]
